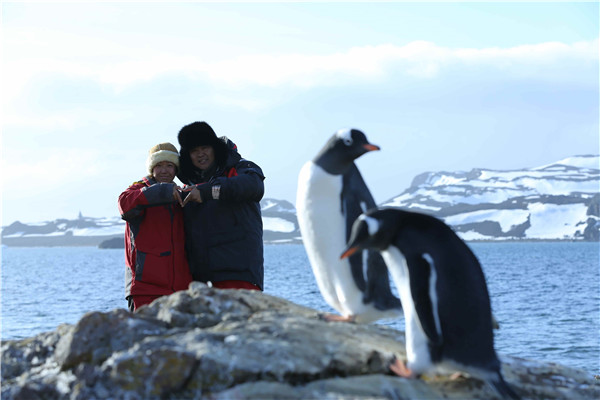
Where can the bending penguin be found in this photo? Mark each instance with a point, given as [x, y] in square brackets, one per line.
[331, 195]
[443, 292]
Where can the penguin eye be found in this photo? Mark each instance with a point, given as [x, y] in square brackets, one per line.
[348, 141]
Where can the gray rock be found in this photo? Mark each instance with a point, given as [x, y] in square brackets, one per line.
[207, 343]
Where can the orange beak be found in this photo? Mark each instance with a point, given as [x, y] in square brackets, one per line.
[371, 147]
[349, 252]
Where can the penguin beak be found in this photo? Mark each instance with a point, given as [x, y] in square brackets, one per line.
[370, 147]
[349, 252]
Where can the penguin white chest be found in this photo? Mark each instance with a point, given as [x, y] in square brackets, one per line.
[417, 350]
[323, 228]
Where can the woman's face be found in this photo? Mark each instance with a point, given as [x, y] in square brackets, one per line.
[164, 172]
[202, 157]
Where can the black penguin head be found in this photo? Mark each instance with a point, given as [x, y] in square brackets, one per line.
[345, 146]
[371, 230]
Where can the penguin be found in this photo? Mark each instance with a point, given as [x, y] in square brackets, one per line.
[331, 195]
[443, 293]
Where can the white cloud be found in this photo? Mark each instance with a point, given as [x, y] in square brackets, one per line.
[120, 64]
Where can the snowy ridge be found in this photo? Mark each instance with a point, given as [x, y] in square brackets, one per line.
[559, 201]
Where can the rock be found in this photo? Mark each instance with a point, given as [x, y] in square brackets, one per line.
[112, 243]
[207, 343]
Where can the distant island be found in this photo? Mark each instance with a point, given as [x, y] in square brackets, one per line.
[558, 201]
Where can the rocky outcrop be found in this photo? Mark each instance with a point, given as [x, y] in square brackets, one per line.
[113, 243]
[207, 343]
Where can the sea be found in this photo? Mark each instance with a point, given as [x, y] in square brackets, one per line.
[545, 295]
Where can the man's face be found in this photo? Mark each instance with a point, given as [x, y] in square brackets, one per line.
[202, 157]
[164, 172]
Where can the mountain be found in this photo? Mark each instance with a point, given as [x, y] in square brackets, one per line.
[559, 201]
[279, 224]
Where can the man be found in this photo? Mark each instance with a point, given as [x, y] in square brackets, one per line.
[223, 224]
[154, 233]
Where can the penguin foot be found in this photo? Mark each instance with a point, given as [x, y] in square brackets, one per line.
[400, 369]
[337, 318]
[456, 376]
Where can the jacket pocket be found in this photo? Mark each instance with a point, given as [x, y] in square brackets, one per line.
[153, 268]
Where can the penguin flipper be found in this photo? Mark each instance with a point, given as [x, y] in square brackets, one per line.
[378, 290]
[355, 199]
[420, 273]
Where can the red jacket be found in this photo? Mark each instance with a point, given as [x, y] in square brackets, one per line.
[154, 240]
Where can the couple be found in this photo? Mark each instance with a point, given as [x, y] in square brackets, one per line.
[214, 222]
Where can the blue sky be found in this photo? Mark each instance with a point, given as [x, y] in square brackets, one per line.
[87, 89]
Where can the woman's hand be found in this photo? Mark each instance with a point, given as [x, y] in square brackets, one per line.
[176, 195]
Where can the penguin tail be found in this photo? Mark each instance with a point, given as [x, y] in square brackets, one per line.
[504, 389]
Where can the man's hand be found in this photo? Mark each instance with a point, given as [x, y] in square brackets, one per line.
[194, 195]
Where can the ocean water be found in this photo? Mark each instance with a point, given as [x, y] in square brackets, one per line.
[545, 295]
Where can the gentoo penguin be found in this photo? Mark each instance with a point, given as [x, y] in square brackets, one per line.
[443, 292]
[331, 195]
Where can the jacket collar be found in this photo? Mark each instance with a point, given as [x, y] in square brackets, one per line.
[149, 180]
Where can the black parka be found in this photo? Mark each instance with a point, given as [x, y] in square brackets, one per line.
[224, 236]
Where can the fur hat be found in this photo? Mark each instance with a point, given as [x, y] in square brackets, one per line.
[162, 152]
[197, 134]
[201, 134]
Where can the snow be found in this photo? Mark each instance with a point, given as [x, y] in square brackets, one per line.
[466, 197]
[268, 204]
[496, 187]
[424, 207]
[500, 176]
[23, 234]
[506, 218]
[471, 235]
[278, 225]
[590, 162]
[559, 186]
[552, 221]
[276, 206]
[100, 231]
[14, 235]
[445, 180]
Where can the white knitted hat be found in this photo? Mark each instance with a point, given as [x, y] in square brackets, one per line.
[162, 152]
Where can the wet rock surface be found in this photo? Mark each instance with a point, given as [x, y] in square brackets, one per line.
[207, 343]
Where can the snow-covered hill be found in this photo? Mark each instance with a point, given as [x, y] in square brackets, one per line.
[279, 224]
[559, 201]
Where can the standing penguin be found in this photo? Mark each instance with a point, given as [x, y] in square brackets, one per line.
[331, 195]
[443, 293]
